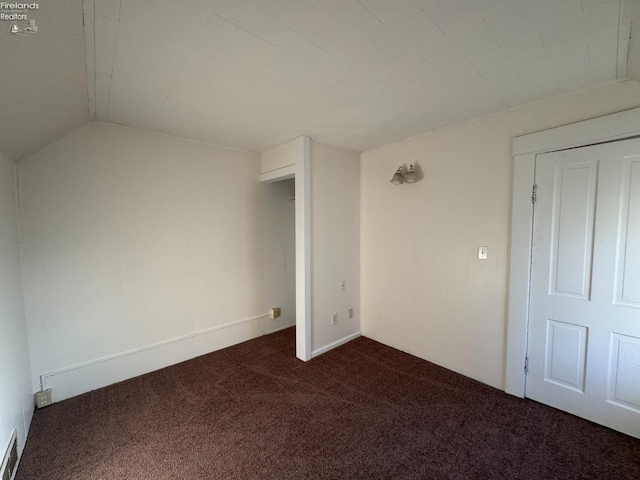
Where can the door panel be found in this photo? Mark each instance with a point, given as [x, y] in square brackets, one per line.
[565, 354]
[624, 388]
[628, 277]
[573, 215]
[584, 329]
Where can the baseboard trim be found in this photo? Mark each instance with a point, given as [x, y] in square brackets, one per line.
[335, 344]
[11, 457]
[76, 379]
[280, 328]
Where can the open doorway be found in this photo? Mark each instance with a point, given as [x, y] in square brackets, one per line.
[279, 251]
[292, 160]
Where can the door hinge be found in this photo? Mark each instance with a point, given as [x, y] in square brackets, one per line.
[534, 193]
[526, 364]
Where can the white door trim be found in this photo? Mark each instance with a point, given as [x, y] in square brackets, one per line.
[303, 251]
[298, 151]
[612, 127]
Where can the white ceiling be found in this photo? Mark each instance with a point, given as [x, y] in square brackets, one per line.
[253, 74]
[353, 73]
[43, 79]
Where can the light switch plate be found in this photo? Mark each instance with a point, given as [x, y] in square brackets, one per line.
[483, 253]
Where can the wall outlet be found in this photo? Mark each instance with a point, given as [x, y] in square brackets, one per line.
[275, 312]
[43, 398]
[334, 319]
[10, 459]
[351, 313]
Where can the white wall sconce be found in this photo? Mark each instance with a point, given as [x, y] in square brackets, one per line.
[398, 177]
[406, 175]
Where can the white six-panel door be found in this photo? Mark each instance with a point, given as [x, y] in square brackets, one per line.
[584, 329]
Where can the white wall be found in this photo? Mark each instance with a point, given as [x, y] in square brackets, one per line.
[423, 289]
[16, 401]
[134, 240]
[335, 244]
[278, 251]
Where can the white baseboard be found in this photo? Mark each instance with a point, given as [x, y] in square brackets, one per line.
[335, 344]
[78, 379]
[4, 459]
[280, 328]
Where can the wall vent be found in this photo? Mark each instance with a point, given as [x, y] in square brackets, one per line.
[10, 459]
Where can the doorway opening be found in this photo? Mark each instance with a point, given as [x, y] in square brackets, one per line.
[279, 252]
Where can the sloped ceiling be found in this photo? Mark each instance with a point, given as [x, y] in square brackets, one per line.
[253, 74]
[352, 73]
[43, 79]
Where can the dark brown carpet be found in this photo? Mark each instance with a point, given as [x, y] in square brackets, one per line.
[361, 411]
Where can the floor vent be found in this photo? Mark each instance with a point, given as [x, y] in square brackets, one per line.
[10, 459]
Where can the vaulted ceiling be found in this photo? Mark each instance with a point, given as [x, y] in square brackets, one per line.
[253, 74]
[43, 79]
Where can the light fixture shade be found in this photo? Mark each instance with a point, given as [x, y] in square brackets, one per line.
[398, 177]
[410, 176]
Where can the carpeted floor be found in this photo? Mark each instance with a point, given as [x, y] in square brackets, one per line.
[361, 411]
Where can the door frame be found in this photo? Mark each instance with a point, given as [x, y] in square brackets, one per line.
[303, 251]
[297, 161]
[616, 126]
